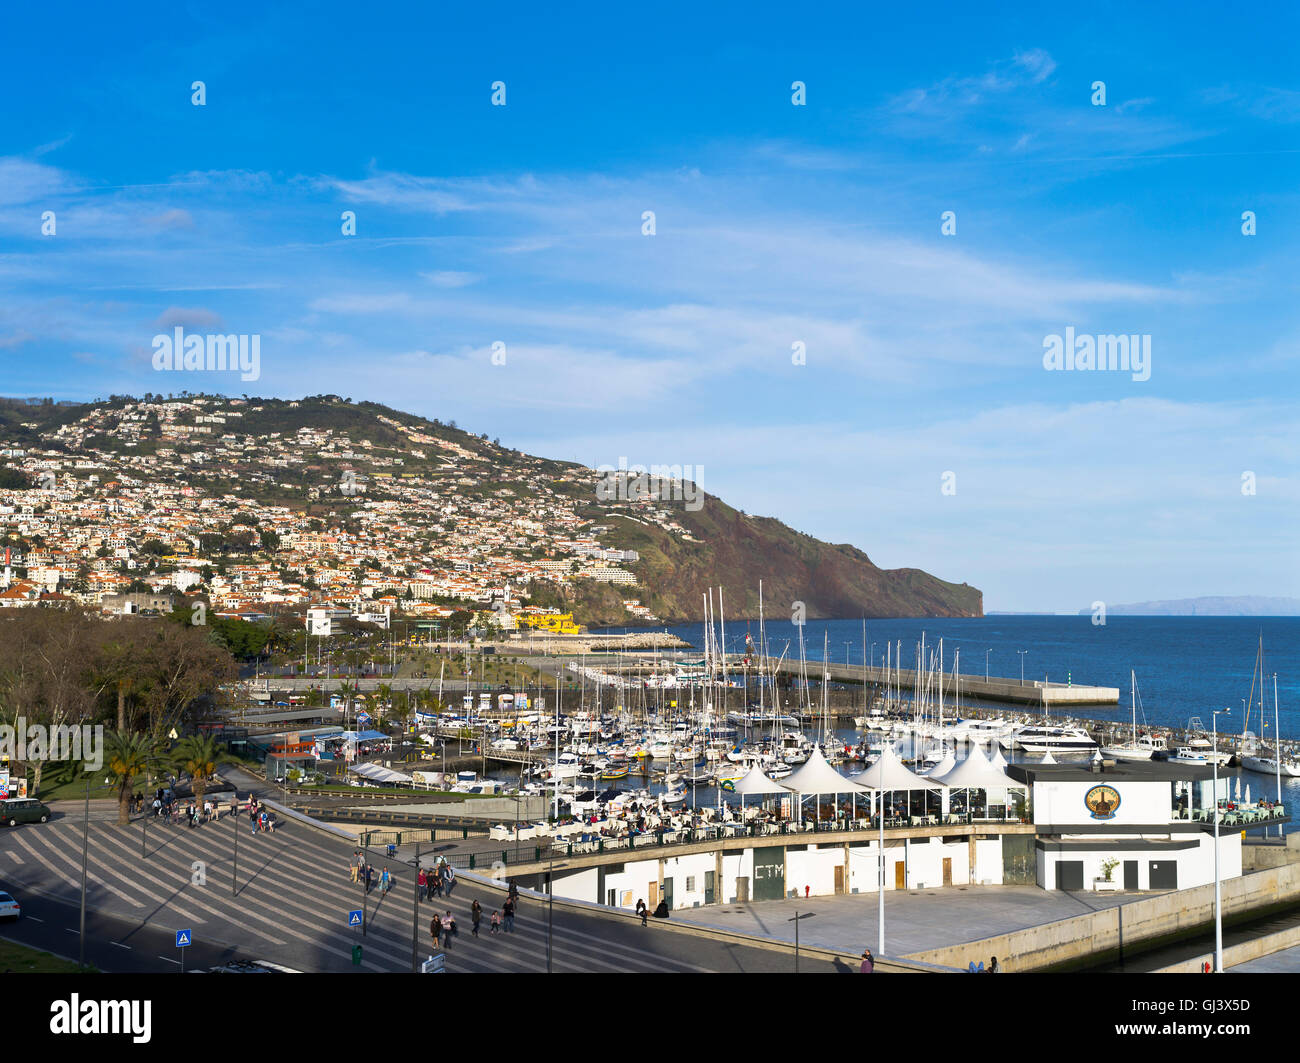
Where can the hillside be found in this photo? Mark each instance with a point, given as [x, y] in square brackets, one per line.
[342, 497]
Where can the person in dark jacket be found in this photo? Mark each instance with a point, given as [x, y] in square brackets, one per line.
[662, 911]
[868, 962]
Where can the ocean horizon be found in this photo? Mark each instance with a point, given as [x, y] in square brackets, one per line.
[1185, 666]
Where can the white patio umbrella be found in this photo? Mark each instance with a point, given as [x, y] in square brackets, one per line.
[1247, 793]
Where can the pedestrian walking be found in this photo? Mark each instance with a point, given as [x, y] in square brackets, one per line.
[385, 881]
[355, 866]
[508, 910]
[476, 916]
[643, 911]
[868, 962]
[496, 921]
[448, 878]
[448, 927]
[422, 885]
[370, 877]
[435, 930]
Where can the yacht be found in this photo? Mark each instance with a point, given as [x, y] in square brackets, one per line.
[1034, 739]
[1265, 762]
[1143, 747]
[1139, 747]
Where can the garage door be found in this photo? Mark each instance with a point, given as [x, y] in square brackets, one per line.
[769, 873]
[1069, 874]
[1164, 874]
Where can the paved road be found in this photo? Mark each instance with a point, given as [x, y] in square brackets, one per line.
[294, 896]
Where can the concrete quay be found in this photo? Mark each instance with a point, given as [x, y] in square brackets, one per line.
[995, 688]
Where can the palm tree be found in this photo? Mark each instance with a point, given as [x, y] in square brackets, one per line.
[198, 756]
[130, 756]
[345, 694]
[385, 692]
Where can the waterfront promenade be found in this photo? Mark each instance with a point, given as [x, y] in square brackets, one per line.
[915, 920]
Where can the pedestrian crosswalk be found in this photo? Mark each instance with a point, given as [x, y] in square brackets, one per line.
[294, 895]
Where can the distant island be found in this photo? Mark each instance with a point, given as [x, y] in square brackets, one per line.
[1241, 605]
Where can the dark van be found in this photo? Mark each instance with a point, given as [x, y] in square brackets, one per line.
[23, 810]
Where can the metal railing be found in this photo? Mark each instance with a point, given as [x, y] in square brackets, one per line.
[597, 843]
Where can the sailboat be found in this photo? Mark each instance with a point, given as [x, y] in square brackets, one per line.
[1266, 761]
[1137, 748]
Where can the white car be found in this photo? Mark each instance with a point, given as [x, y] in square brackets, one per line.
[9, 908]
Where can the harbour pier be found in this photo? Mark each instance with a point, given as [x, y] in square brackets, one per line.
[995, 688]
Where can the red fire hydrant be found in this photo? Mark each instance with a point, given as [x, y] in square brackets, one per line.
[807, 891]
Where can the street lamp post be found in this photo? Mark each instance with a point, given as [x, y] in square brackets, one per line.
[85, 856]
[415, 910]
[795, 920]
[880, 887]
[986, 665]
[234, 867]
[1218, 900]
[1022, 665]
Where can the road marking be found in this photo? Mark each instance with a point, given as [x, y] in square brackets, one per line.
[17, 859]
[120, 945]
[177, 962]
[69, 930]
[35, 920]
[71, 881]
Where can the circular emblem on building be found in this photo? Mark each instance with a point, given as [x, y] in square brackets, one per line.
[1102, 801]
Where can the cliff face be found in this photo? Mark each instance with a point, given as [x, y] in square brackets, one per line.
[735, 551]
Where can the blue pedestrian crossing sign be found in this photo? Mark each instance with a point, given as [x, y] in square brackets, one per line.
[183, 938]
[354, 917]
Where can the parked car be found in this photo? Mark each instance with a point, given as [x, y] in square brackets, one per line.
[9, 908]
[23, 810]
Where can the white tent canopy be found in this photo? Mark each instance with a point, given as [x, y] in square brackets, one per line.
[757, 782]
[944, 766]
[890, 773]
[378, 773]
[976, 773]
[816, 776]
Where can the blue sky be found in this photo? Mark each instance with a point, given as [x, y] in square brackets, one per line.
[775, 224]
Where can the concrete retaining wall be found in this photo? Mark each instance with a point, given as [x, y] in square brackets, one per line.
[1099, 933]
[1261, 857]
[1235, 954]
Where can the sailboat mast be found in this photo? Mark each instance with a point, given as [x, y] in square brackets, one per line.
[1277, 745]
[722, 629]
